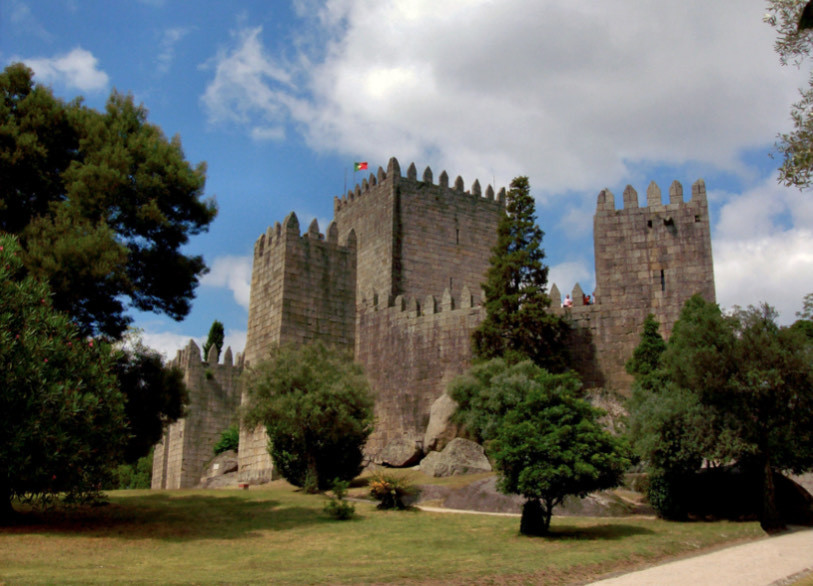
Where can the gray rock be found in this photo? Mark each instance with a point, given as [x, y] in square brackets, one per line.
[401, 452]
[222, 464]
[440, 431]
[460, 456]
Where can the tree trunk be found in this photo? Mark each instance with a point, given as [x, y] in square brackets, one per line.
[770, 520]
[535, 520]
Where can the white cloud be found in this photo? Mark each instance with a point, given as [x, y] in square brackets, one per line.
[169, 40]
[249, 87]
[168, 343]
[571, 94]
[77, 69]
[234, 273]
[763, 248]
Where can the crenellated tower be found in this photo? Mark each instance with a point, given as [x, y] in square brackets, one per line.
[649, 259]
[214, 398]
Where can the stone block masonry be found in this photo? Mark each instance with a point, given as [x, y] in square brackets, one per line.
[397, 278]
[214, 399]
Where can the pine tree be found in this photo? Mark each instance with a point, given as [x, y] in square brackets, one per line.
[517, 323]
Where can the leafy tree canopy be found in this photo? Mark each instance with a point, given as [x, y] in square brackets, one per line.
[549, 445]
[794, 43]
[517, 323]
[489, 390]
[317, 408]
[62, 420]
[102, 203]
[154, 396]
[736, 388]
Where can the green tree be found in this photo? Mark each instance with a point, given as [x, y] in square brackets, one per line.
[317, 408]
[517, 324]
[793, 44]
[102, 202]
[215, 338]
[62, 421]
[740, 388]
[489, 390]
[645, 363]
[550, 446]
[154, 396]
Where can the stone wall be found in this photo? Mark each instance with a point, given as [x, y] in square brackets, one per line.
[410, 350]
[214, 398]
[397, 241]
[302, 288]
[648, 260]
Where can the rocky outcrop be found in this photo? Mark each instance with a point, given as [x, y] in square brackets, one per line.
[440, 430]
[401, 452]
[221, 471]
[460, 456]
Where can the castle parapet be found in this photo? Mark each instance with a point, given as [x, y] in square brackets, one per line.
[605, 203]
[392, 176]
[429, 305]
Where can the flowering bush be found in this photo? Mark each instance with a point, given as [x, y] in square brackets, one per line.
[390, 490]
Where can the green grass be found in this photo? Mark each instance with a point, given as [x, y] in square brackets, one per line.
[278, 535]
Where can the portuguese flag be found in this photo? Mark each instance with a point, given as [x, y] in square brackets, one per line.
[360, 166]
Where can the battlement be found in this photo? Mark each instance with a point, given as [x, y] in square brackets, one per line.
[288, 231]
[391, 178]
[414, 307]
[606, 200]
[577, 295]
[190, 357]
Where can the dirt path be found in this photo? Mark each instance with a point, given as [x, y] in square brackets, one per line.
[761, 563]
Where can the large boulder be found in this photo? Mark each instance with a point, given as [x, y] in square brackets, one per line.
[440, 430]
[403, 451]
[460, 456]
[221, 471]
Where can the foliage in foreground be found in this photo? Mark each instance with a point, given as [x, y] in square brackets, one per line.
[794, 46]
[518, 324]
[102, 202]
[155, 396]
[391, 490]
[317, 408]
[544, 438]
[62, 420]
[550, 445]
[736, 388]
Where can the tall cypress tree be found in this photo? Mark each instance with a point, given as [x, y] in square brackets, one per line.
[215, 338]
[518, 324]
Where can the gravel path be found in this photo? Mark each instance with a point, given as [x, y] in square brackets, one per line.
[761, 563]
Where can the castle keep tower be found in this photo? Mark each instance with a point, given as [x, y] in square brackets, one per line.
[393, 280]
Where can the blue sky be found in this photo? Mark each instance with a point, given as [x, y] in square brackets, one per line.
[279, 98]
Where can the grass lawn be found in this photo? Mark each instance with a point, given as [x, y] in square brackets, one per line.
[275, 534]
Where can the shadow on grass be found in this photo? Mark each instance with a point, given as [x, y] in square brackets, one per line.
[609, 532]
[170, 517]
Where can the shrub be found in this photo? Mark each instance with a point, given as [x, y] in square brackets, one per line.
[337, 507]
[391, 490]
[229, 440]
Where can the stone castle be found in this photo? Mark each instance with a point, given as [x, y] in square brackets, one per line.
[396, 277]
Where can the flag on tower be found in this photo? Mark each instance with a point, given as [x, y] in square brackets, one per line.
[360, 166]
